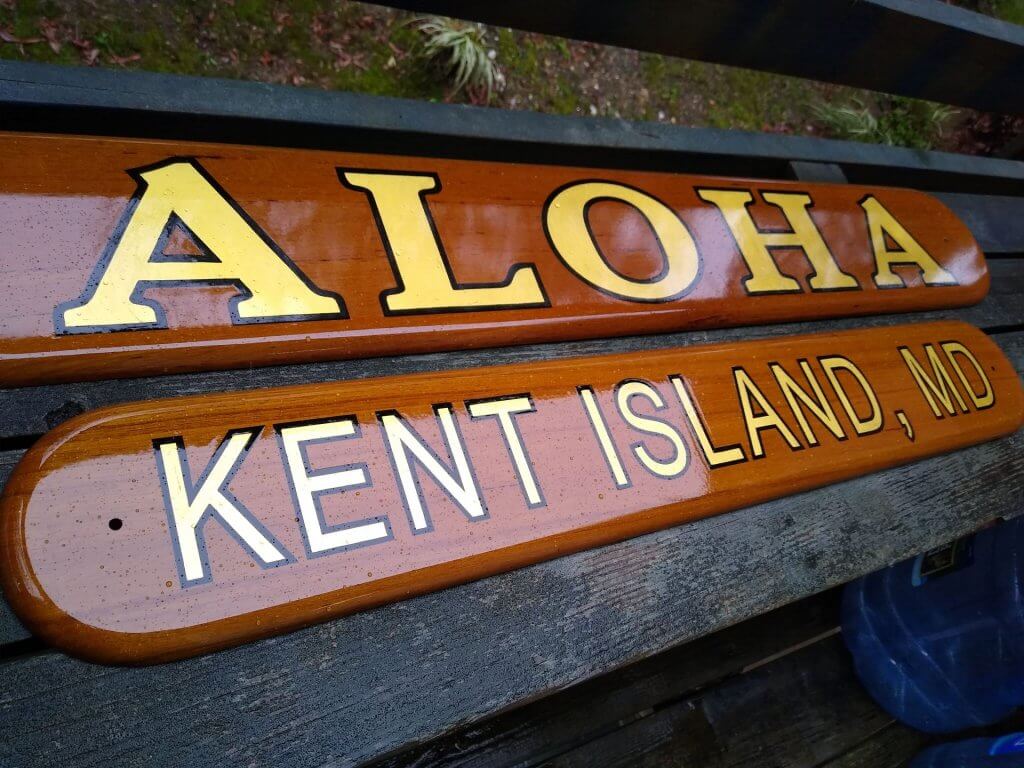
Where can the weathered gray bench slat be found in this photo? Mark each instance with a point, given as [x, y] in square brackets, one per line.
[604, 705]
[996, 222]
[143, 104]
[892, 747]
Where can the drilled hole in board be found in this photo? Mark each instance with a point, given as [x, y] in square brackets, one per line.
[115, 523]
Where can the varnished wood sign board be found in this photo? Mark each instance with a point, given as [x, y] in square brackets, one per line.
[161, 529]
[127, 258]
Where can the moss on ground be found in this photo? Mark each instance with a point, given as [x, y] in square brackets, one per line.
[1008, 10]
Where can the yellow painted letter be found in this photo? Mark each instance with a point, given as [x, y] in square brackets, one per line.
[425, 279]
[866, 425]
[716, 457]
[754, 244]
[565, 221]
[179, 192]
[190, 506]
[987, 398]
[817, 403]
[667, 468]
[941, 389]
[768, 418]
[907, 252]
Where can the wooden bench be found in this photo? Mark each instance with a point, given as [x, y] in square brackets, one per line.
[384, 681]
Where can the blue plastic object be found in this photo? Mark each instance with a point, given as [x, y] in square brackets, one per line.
[938, 640]
[1004, 752]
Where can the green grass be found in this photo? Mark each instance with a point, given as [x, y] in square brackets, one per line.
[255, 12]
[664, 77]
[730, 97]
[521, 57]
[752, 100]
[893, 120]
[1009, 10]
[206, 37]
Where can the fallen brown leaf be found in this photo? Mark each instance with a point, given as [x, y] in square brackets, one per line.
[318, 28]
[7, 37]
[282, 19]
[50, 31]
[341, 58]
[122, 60]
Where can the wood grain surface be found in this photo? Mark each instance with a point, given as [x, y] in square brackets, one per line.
[321, 500]
[610, 705]
[142, 257]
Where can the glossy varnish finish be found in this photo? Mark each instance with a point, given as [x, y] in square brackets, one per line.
[419, 482]
[124, 258]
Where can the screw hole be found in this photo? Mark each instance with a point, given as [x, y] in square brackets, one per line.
[115, 524]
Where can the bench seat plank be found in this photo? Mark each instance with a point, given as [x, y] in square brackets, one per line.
[568, 720]
[798, 710]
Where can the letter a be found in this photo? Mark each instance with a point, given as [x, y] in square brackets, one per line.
[180, 192]
[907, 253]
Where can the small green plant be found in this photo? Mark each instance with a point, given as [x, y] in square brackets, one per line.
[460, 51]
[848, 121]
[896, 120]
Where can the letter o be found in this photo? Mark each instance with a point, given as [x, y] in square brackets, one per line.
[567, 228]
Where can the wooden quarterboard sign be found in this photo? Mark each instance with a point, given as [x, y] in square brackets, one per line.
[157, 530]
[130, 258]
